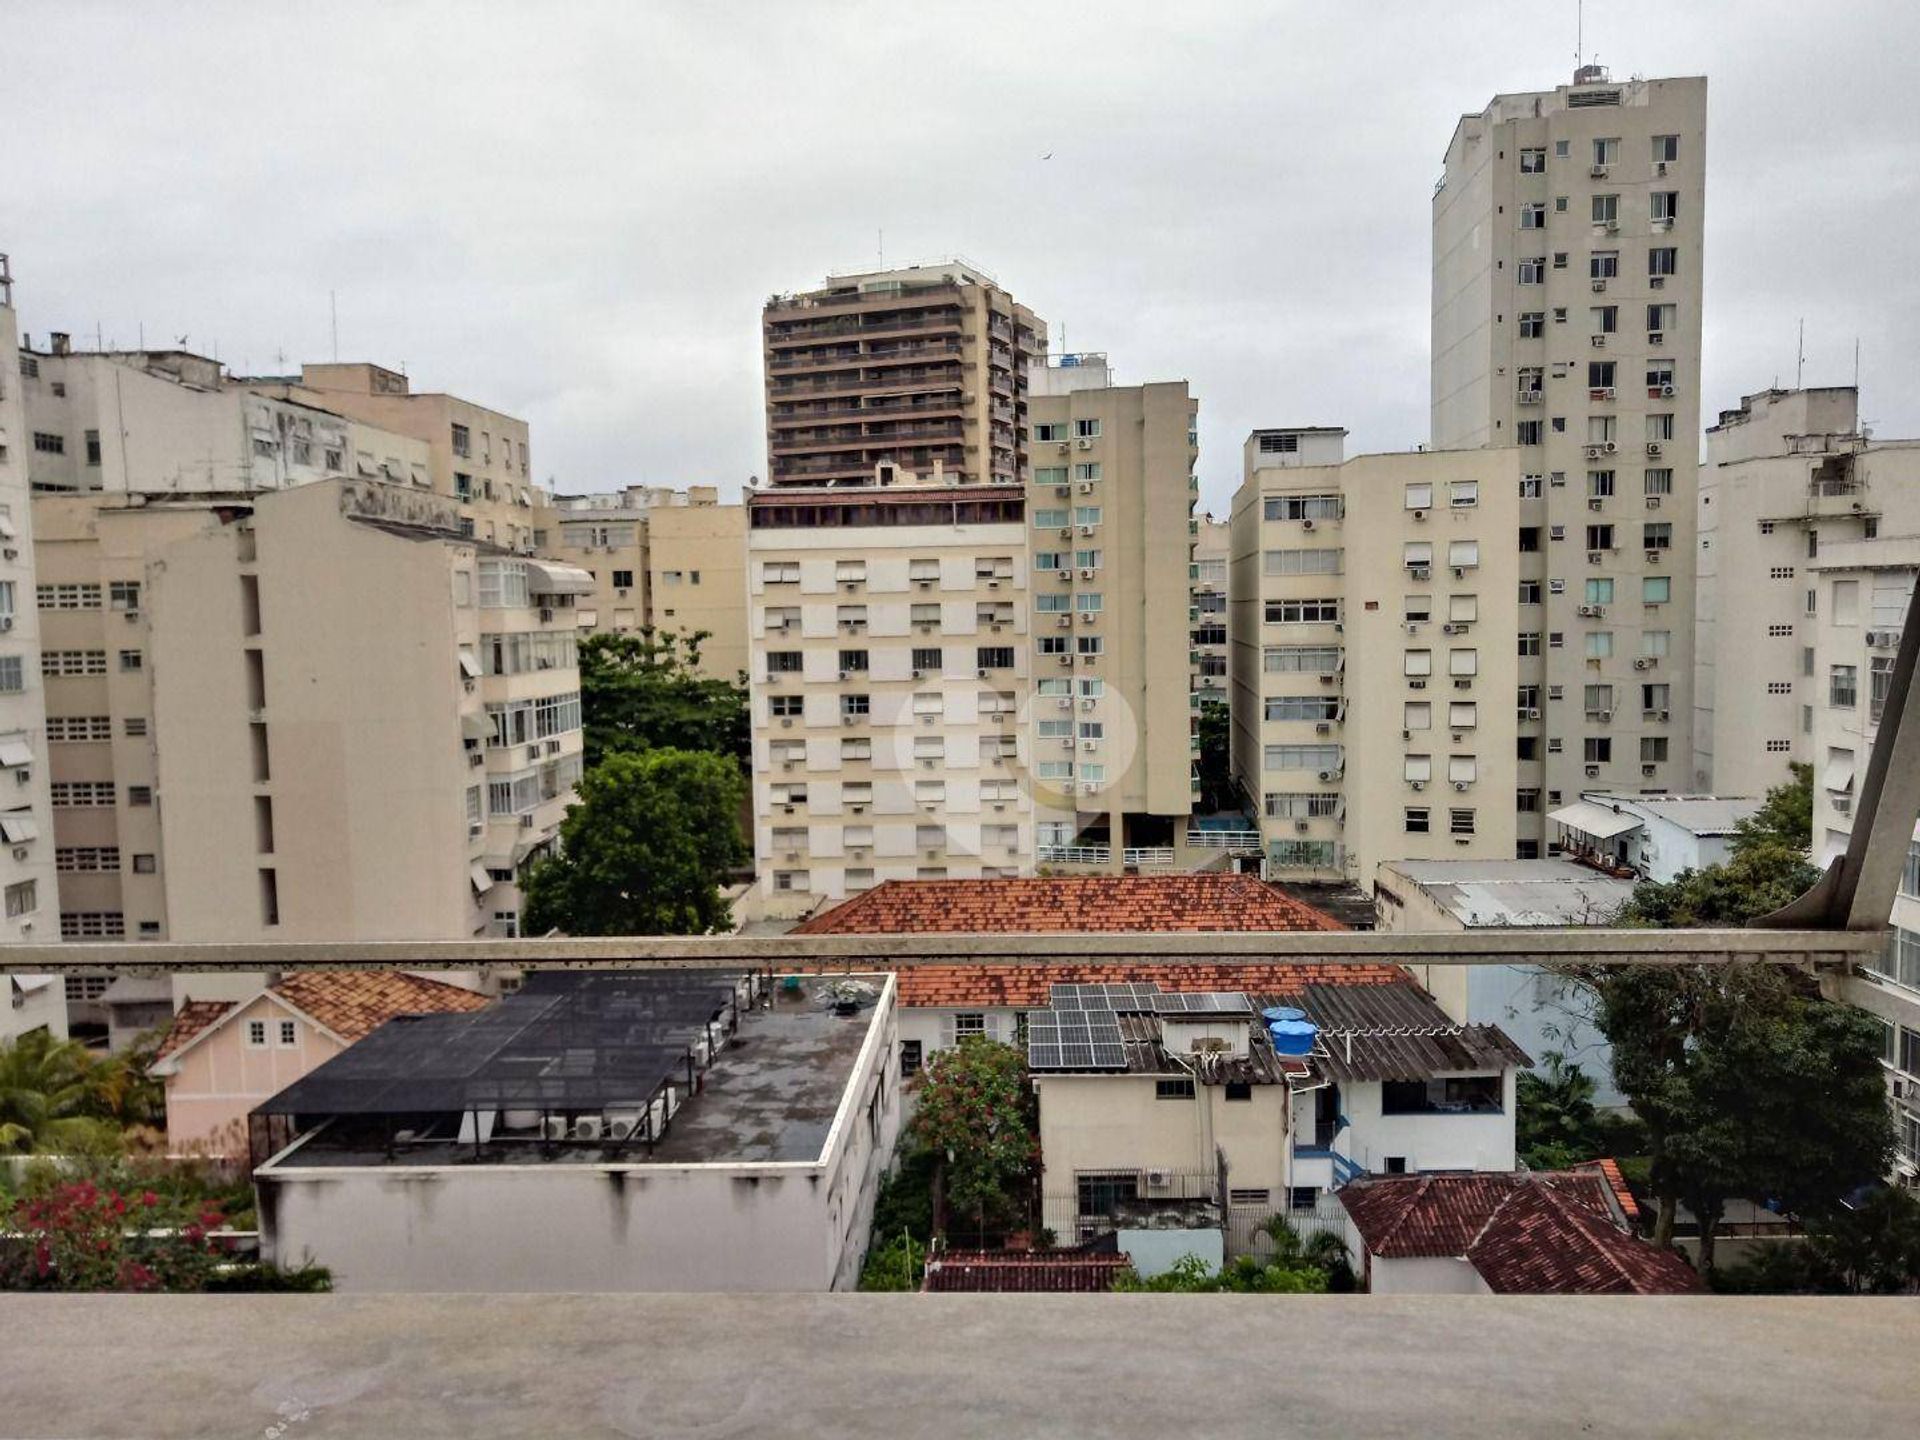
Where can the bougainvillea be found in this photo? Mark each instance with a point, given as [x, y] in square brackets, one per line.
[82, 1236]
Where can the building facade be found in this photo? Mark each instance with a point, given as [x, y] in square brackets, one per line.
[1789, 475]
[27, 879]
[1567, 252]
[226, 769]
[1209, 613]
[898, 376]
[1374, 680]
[672, 560]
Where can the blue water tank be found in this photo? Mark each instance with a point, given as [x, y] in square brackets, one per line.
[1293, 1037]
[1282, 1012]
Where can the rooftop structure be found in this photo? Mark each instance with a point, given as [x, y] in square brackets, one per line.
[1088, 904]
[1547, 1233]
[1650, 836]
[1477, 894]
[1023, 1272]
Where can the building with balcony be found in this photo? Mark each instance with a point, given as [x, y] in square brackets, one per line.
[702, 1131]
[1111, 536]
[226, 767]
[672, 560]
[1567, 251]
[899, 376]
[1209, 613]
[1376, 698]
[1789, 475]
[27, 879]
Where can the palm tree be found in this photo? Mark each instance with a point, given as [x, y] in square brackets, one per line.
[1556, 1107]
[45, 1094]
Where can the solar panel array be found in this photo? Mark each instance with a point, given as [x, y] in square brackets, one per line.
[1081, 1030]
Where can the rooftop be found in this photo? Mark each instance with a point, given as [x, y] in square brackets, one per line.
[1023, 1271]
[1538, 1233]
[1701, 814]
[1022, 987]
[352, 1004]
[1090, 904]
[1507, 893]
[482, 1088]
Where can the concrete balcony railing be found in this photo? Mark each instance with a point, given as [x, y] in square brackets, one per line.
[1234, 842]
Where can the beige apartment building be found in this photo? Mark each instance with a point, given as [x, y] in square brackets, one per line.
[1212, 544]
[27, 880]
[226, 768]
[477, 457]
[1567, 259]
[1372, 608]
[1111, 542]
[1789, 475]
[672, 560]
[890, 667]
[899, 376]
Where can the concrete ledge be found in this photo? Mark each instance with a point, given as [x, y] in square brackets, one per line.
[1112, 1367]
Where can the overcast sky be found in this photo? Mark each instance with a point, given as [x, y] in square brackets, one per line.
[573, 212]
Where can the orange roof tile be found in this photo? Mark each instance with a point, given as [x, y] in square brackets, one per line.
[188, 1021]
[355, 1003]
[1026, 987]
[1617, 1182]
[1083, 904]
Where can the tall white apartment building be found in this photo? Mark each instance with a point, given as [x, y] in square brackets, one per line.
[1567, 262]
[890, 663]
[1373, 605]
[1859, 590]
[1789, 476]
[1209, 615]
[27, 882]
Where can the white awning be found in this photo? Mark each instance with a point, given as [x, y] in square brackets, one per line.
[482, 882]
[19, 827]
[1839, 776]
[1599, 821]
[469, 665]
[476, 726]
[33, 984]
[7, 531]
[545, 577]
[15, 751]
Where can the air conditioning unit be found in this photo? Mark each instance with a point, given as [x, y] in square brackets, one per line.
[1086, 529]
[1656, 282]
[1596, 504]
[850, 719]
[1592, 771]
[1459, 572]
[1086, 444]
[19, 852]
[1064, 447]
[1659, 167]
[1463, 684]
[1656, 337]
[1088, 574]
[1417, 784]
[993, 584]
[1446, 630]
[1593, 452]
[1653, 502]
[1323, 728]
[846, 674]
[1063, 575]
[588, 1127]
[1086, 704]
[981, 674]
[1306, 524]
[1653, 447]
[1065, 621]
[1598, 172]
[1533, 713]
[1648, 769]
[1329, 775]
[1460, 785]
[1088, 744]
[1419, 572]
[1419, 514]
[1066, 532]
[1066, 659]
[1416, 684]
[1063, 490]
[1594, 557]
[1587, 610]
[555, 1127]
[1653, 557]
[1598, 286]
[1086, 487]
[1599, 342]
[1665, 715]
[1301, 826]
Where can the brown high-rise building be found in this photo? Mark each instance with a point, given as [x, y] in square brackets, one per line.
[899, 377]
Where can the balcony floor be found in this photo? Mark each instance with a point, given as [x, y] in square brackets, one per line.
[1111, 1367]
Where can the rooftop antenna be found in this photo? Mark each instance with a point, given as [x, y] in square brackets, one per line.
[333, 304]
[1800, 361]
[1579, 33]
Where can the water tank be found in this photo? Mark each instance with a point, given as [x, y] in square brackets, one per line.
[1282, 1012]
[1292, 1037]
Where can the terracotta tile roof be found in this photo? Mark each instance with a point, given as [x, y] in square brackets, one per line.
[1027, 987]
[1623, 1196]
[1548, 1233]
[1007, 1271]
[355, 1003]
[1080, 904]
[188, 1021]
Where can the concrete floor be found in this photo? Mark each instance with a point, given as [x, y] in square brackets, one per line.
[903, 1366]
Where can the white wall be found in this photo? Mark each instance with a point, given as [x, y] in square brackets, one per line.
[1439, 1275]
[1428, 1142]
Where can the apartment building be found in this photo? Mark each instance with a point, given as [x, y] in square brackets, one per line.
[1860, 591]
[1567, 259]
[1111, 537]
[27, 882]
[476, 456]
[1372, 605]
[226, 768]
[1209, 613]
[674, 560]
[1789, 475]
[899, 376]
[890, 662]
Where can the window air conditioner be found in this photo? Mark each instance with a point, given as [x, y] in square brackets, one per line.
[1086, 529]
[1086, 444]
[1064, 575]
[1419, 514]
[1417, 784]
[1599, 341]
[1306, 524]
[1653, 447]
[1598, 286]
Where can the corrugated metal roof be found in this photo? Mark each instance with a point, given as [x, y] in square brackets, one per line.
[1700, 814]
[1521, 893]
[1398, 1032]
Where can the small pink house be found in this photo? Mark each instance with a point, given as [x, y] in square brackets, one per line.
[221, 1058]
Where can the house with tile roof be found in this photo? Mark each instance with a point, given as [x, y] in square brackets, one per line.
[221, 1058]
[1531, 1233]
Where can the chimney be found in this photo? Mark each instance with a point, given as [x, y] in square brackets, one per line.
[62, 342]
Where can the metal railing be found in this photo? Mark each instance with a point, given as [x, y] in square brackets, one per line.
[1148, 855]
[1238, 842]
[1075, 855]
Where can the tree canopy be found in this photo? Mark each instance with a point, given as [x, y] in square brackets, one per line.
[645, 691]
[977, 1115]
[1216, 778]
[56, 1096]
[1784, 819]
[645, 848]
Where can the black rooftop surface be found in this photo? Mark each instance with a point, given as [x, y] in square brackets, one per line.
[569, 1040]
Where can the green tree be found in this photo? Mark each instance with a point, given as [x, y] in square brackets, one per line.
[1784, 819]
[1754, 882]
[1556, 1124]
[48, 1097]
[644, 849]
[645, 691]
[977, 1116]
[1216, 773]
[1749, 1086]
[1874, 1247]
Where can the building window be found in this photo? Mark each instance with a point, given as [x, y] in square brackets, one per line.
[1451, 1095]
[1087, 429]
[289, 1033]
[22, 898]
[1843, 686]
[1181, 1089]
[257, 1033]
[1419, 821]
[911, 1057]
[1239, 1090]
[49, 444]
[1460, 822]
[969, 1024]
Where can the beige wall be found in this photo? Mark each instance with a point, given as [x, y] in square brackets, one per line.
[1480, 359]
[705, 547]
[1210, 551]
[1342, 534]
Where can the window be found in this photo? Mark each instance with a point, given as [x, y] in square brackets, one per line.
[1087, 429]
[1090, 645]
[1087, 470]
[1653, 749]
[1418, 820]
[1663, 260]
[1533, 160]
[1529, 642]
[1046, 518]
[1416, 715]
[1599, 700]
[1324, 561]
[1533, 326]
[130, 660]
[1300, 707]
[1666, 149]
[783, 662]
[785, 706]
[1300, 659]
[1603, 264]
[994, 657]
[1599, 537]
[289, 1033]
[853, 661]
[855, 707]
[1417, 554]
[1417, 663]
[256, 1033]
[1531, 271]
[1606, 209]
[911, 1057]
[462, 441]
[1533, 215]
[1657, 535]
[1600, 645]
[1656, 589]
[1463, 494]
[1843, 686]
[1302, 612]
[1181, 1089]
[1278, 442]
[1463, 554]
[926, 658]
[1657, 482]
[1599, 484]
[1303, 507]
[1301, 757]
[1462, 663]
[1598, 749]
[1451, 1095]
[49, 444]
[1879, 686]
[780, 572]
[1600, 591]
[22, 898]
[1460, 822]
[1053, 430]
[1526, 432]
[1660, 428]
